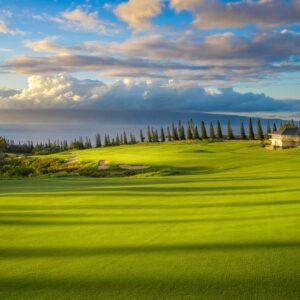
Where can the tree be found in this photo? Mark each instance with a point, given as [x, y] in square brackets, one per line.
[274, 127]
[189, 133]
[251, 131]
[268, 128]
[175, 136]
[98, 140]
[260, 132]
[142, 138]
[203, 131]
[118, 141]
[211, 131]
[243, 133]
[219, 130]
[3, 144]
[230, 134]
[169, 134]
[181, 131]
[125, 141]
[149, 134]
[196, 133]
[162, 135]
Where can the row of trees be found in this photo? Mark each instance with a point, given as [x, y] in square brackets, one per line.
[177, 132]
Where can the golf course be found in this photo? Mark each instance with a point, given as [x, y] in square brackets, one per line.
[190, 220]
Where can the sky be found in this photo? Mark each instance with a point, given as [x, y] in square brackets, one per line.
[204, 55]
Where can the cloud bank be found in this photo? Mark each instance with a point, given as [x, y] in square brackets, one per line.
[64, 91]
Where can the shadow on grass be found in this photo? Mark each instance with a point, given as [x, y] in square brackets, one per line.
[37, 252]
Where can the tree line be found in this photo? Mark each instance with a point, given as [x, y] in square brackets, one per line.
[175, 132]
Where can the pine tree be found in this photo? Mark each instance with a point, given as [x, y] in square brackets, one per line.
[260, 133]
[142, 136]
[243, 132]
[196, 133]
[181, 131]
[268, 128]
[189, 133]
[162, 135]
[149, 134]
[274, 127]
[219, 131]
[211, 131]
[230, 134]
[98, 140]
[125, 141]
[203, 131]
[251, 131]
[169, 134]
[118, 142]
[175, 136]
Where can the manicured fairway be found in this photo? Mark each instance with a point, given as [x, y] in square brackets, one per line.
[227, 226]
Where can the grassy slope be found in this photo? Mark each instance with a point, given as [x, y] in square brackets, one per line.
[226, 228]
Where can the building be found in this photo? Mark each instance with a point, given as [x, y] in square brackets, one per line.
[285, 138]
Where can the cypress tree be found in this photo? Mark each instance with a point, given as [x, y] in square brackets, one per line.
[230, 134]
[169, 134]
[125, 138]
[149, 134]
[203, 131]
[274, 127]
[98, 140]
[174, 133]
[268, 128]
[162, 135]
[189, 132]
[219, 130]
[142, 136]
[243, 133]
[118, 142]
[260, 133]
[251, 131]
[196, 133]
[181, 131]
[211, 131]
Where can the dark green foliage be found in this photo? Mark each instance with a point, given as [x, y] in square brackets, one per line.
[181, 131]
[142, 138]
[269, 128]
[211, 131]
[243, 132]
[251, 131]
[219, 130]
[162, 135]
[149, 135]
[274, 127]
[260, 133]
[189, 133]
[196, 135]
[230, 134]
[125, 141]
[3, 144]
[203, 131]
[175, 136]
[169, 136]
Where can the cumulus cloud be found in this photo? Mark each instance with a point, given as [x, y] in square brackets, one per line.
[217, 14]
[6, 29]
[138, 13]
[46, 45]
[62, 91]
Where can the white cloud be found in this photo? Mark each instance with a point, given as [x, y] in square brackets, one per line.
[138, 13]
[62, 91]
[5, 29]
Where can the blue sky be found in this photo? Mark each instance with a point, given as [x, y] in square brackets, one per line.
[250, 47]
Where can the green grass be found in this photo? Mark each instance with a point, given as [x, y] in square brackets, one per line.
[226, 227]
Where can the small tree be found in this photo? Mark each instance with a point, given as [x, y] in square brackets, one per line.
[243, 133]
[203, 131]
[211, 131]
[219, 130]
[251, 131]
[169, 134]
[196, 133]
[142, 136]
[274, 127]
[175, 136]
[260, 133]
[189, 133]
[125, 141]
[3, 144]
[98, 140]
[268, 128]
[162, 135]
[181, 131]
[230, 134]
[149, 134]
